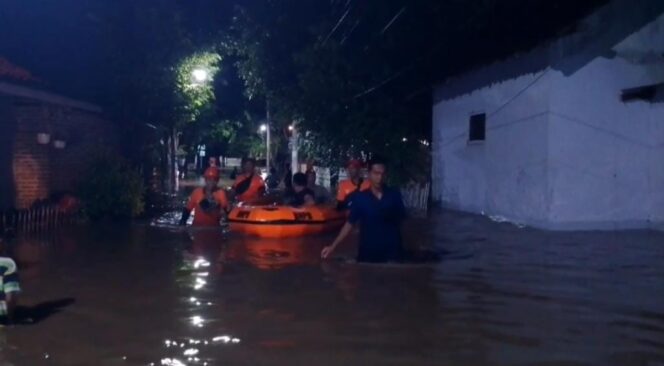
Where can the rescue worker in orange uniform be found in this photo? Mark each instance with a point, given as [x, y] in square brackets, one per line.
[353, 184]
[210, 202]
[248, 186]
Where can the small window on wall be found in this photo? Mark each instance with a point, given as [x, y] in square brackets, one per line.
[477, 127]
[648, 93]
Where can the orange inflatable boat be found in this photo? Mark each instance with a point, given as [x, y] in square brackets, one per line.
[284, 221]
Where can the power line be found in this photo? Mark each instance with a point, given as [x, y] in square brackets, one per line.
[336, 26]
[394, 19]
[518, 94]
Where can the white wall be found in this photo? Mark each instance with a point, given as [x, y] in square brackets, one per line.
[507, 174]
[564, 152]
[606, 169]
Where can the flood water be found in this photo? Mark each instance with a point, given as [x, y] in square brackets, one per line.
[501, 295]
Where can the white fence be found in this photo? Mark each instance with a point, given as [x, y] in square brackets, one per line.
[36, 219]
[415, 195]
[416, 198]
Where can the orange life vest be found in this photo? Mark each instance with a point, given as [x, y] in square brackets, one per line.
[347, 187]
[204, 217]
[255, 189]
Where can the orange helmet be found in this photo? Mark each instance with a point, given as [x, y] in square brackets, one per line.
[211, 173]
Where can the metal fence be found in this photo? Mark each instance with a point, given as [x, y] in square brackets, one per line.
[415, 195]
[35, 219]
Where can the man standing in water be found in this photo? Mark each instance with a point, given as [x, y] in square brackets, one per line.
[210, 202]
[379, 212]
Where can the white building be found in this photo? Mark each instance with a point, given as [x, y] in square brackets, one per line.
[568, 136]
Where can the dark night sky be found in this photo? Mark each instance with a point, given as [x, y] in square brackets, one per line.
[55, 39]
[60, 42]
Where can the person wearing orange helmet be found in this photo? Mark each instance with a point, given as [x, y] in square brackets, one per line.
[353, 184]
[248, 186]
[209, 201]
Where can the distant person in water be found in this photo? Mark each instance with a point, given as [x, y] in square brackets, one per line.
[248, 186]
[182, 167]
[288, 178]
[379, 212]
[321, 194]
[210, 202]
[355, 183]
[301, 195]
[9, 286]
[272, 180]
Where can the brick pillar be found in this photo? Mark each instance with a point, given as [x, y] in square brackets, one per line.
[7, 132]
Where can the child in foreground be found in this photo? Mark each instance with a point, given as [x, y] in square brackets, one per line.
[9, 286]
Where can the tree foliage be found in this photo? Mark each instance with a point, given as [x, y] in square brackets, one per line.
[152, 89]
[111, 187]
[197, 95]
[307, 64]
[144, 43]
[357, 76]
[354, 76]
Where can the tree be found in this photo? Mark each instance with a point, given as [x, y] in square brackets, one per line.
[358, 76]
[144, 43]
[231, 129]
[194, 89]
[152, 86]
[322, 79]
[355, 76]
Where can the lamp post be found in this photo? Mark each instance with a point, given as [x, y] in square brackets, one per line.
[200, 76]
[265, 129]
[267, 134]
[294, 146]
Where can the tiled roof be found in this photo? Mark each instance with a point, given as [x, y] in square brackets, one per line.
[10, 71]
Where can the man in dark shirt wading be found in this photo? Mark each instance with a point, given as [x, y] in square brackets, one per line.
[379, 212]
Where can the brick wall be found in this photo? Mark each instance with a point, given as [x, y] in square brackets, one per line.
[85, 132]
[40, 170]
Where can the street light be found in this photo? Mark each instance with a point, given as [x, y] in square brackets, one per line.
[200, 75]
[263, 128]
[290, 127]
